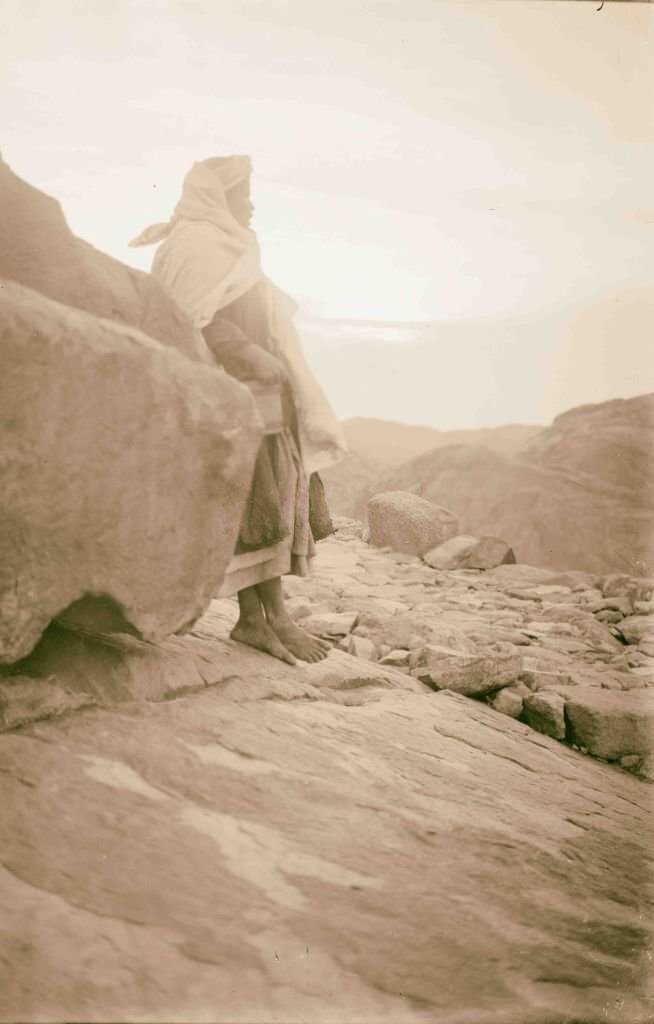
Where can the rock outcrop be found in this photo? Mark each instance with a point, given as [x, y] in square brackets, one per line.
[38, 249]
[125, 469]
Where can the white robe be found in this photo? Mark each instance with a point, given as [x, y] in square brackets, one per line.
[207, 260]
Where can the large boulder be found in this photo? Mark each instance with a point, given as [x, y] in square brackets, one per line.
[38, 249]
[612, 724]
[125, 469]
[406, 522]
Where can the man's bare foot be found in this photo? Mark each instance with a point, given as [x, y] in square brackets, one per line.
[300, 643]
[257, 633]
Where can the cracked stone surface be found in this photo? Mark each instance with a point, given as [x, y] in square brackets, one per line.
[414, 857]
[228, 839]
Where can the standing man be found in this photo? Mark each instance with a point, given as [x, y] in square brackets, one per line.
[209, 260]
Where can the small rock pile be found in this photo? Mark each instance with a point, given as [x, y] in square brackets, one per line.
[569, 653]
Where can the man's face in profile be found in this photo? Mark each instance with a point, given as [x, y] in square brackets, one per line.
[240, 203]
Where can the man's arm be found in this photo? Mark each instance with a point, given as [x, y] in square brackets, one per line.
[239, 357]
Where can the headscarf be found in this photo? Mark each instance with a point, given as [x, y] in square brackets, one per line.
[206, 259]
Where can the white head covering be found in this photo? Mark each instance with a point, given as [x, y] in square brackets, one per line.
[206, 259]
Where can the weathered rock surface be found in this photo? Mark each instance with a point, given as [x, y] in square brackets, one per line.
[611, 725]
[545, 712]
[451, 553]
[408, 523]
[330, 623]
[541, 617]
[287, 844]
[326, 842]
[488, 553]
[38, 249]
[508, 702]
[24, 700]
[467, 552]
[468, 674]
[125, 470]
[636, 628]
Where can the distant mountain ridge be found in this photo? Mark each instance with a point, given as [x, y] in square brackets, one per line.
[580, 493]
[377, 447]
[392, 443]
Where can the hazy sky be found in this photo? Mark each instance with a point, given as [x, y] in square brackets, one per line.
[414, 159]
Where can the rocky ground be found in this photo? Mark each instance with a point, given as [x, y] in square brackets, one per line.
[570, 653]
[195, 832]
[404, 832]
[580, 493]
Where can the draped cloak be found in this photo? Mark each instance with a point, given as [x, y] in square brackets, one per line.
[211, 265]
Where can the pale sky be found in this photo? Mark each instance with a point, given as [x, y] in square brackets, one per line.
[414, 159]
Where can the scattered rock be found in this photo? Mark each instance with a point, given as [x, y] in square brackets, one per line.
[578, 579]
[396, 631]
[522, 576]
[636, 628]
[451, 554]
[540, 679]
[630, 762]
[545, 712]
[508, 702]
[488, 553]
[619, 585]
[343, 673]
[397, 658]
[406, 522]
[467, 674]
[545, 592]
[590, 598]
[646, 646]
[361, 647]
[609, 615]
[539, 629]
[612, 724]
[619, 604]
